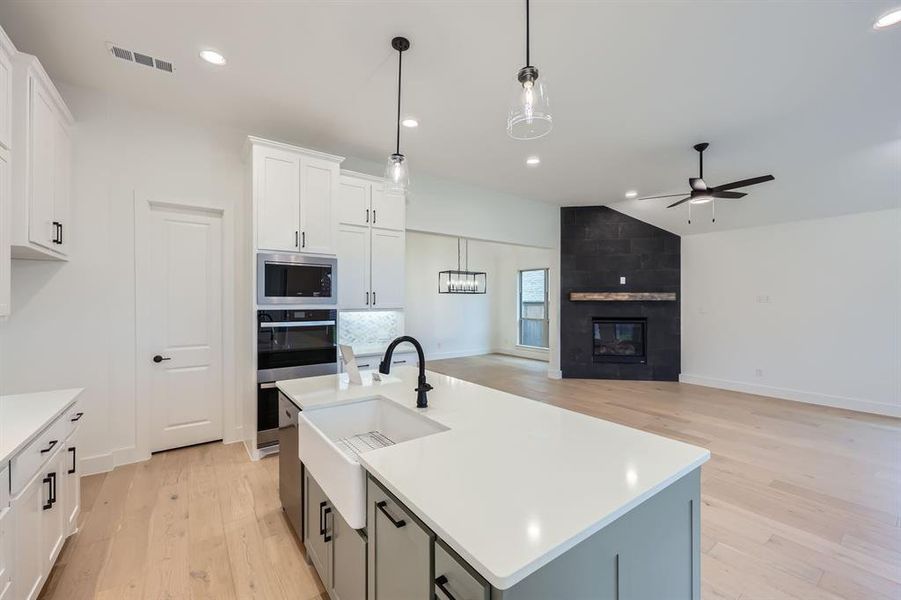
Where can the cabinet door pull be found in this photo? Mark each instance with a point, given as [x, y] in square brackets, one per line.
[50, 447]
[321, 518]
[72, 468]
[303, 239]
[367, 215]
[373, 298]
[398, 362]
[373, 216]
[326, 536]
[77, 417]
[56, 235]
[49, 504]
[60, 234]
[52, 488]
[367, 298]
[396, 522]
[441, 582]
[295, 239]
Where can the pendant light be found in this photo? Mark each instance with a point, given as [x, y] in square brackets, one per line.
[397, 170]
[462, 281]
[530, 114]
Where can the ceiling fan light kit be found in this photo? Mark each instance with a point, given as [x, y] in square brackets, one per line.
[702, 194]
[397, 169]
[529, 117]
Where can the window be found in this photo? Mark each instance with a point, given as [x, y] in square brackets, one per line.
[533, 309]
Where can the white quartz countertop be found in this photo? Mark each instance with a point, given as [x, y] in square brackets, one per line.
[513, 483]
[24, 416]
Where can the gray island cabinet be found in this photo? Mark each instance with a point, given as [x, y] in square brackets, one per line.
[649, 553]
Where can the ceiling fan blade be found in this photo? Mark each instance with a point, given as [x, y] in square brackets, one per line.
[743, 183]
[655, 197]
[679, 202]
[721, 194]
[697, 184]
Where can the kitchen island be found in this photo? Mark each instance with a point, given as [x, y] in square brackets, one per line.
[501, 496]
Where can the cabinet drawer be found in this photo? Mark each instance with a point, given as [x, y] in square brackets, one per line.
[411, 359]
[27, 462]
[455, 580]
[73, 418]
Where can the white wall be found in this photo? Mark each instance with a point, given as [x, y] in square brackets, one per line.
[815, 305]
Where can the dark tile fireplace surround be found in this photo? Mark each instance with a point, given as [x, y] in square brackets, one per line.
[618, 339]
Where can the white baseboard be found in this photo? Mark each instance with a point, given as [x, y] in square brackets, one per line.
[99, 463]
[858, 404]
[524, 353]
[555, 374]
[456, 354]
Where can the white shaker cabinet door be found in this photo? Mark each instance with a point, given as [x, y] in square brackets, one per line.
[6, 553]
[41, 228]
[388, 209]
[353, 201]
[353, 267]
[53, 513]
[28, 514]
[277, 192]
[388, 257]
[318, 190]
[62, 167]
[5, 237]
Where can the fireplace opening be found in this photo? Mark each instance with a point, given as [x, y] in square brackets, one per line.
[619, 340]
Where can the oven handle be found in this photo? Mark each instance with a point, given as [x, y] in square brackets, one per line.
[296, 323]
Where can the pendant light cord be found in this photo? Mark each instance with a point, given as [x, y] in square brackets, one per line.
[528, 64]
[400, 58]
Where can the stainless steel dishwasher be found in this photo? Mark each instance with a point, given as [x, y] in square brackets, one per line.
[290, 476]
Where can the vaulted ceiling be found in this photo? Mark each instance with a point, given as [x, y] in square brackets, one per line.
[807, 91]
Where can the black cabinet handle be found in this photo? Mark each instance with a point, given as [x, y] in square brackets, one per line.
[56, 233]
[50, 447]
[303, 239]
[321, 518]
[326, 537]
[396, 522]
[441, 582]
[373, 216]
[367, 298]
[72, 469]
[367, 215]
[53, 487]
[159, 359]
[373, 298]
[77, 417]
[60, 233]
[49, 504]
[295, 239]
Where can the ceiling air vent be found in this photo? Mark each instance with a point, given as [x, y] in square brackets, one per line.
[141, 59]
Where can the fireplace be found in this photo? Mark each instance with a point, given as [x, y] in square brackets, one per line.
[619, 340]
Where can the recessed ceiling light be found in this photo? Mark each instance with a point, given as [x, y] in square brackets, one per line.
[533, 161]
[213, 57]
[631, 194]
[893, 17]
[410, 122]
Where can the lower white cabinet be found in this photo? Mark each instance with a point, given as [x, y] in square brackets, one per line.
[6, 538]
[43, 512]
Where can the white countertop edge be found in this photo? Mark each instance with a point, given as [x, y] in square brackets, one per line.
[503, 581]
[75, 392]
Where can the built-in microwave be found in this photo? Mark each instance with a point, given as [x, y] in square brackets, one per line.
[296, 279]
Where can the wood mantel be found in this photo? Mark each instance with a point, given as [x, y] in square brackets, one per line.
[622, 296]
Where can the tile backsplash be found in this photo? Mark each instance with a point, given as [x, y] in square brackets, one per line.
[369, 330]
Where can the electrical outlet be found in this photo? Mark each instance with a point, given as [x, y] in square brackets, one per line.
[758, 372]
[622, 281]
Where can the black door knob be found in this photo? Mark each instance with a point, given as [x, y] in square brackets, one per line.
[159, 359]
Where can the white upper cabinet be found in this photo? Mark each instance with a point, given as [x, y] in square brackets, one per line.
[371, 244]
[6, 74]
[6, 90]
[318, 190]
[294, 195]
[276, 193]
[41, 165]
[388, 209]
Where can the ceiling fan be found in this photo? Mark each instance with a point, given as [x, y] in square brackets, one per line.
[701, 193]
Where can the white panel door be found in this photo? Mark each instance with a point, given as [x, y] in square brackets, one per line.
[387, 268]
[6, 553]
[277, 192]
[41, 179]
[388, 209]
[73, 485]
[184, 329]
[53, 517]
[353, 201]
[5, 106]
[318, 190]
[353, 266]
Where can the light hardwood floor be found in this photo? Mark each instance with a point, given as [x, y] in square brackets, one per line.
[800, 502]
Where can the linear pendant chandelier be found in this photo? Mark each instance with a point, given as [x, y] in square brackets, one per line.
[397, 171]
[530, 114]
[462, 281]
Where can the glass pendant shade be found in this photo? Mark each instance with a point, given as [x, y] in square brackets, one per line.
[530, 111]
[397, 173]
[462, 282]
